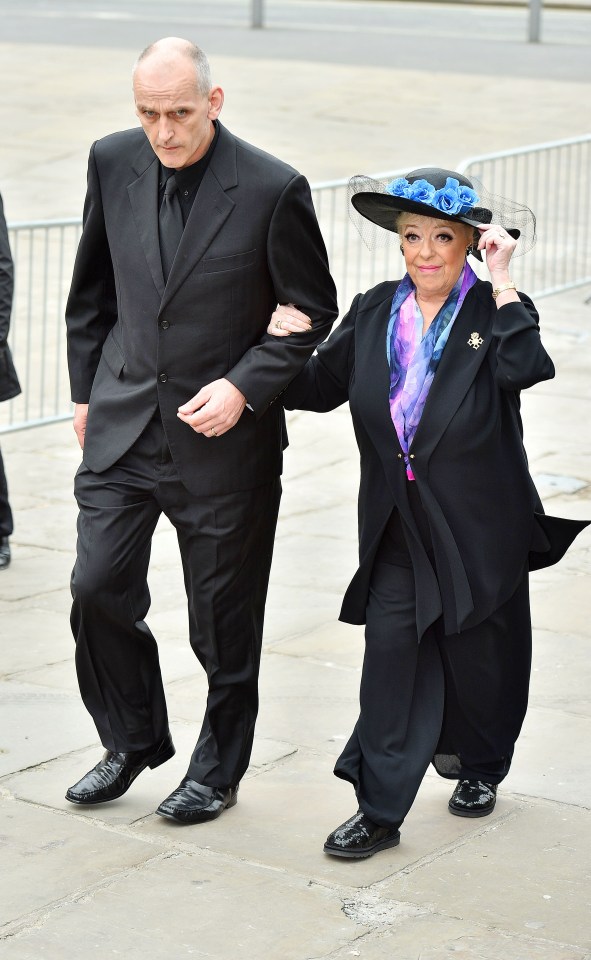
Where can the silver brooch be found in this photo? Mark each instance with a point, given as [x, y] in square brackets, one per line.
[475, 341]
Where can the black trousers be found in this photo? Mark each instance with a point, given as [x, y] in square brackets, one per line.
[458, 701]
[6, 525]
[226, 545]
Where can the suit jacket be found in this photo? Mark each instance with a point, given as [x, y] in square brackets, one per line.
[9, 385]
[135, 343]
[484, 514]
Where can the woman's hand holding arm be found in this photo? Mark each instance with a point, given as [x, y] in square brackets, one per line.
[287, 319]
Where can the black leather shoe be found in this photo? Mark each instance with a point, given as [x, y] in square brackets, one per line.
[473, 798]
[193, 802]
[4, 553]
[116, 772]
[360, 837]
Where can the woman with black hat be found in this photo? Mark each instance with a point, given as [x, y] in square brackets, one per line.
[450, 522]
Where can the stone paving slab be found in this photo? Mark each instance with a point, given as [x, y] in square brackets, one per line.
[550, 759]
[192, 905]
[37, 724]
[40, 636]
[565, 687]
[480, 881]
[430, 936]
[52, 856]
[551, 604]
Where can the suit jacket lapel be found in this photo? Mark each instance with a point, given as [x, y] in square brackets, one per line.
[143, 197]
[209, 212]
[463, 354]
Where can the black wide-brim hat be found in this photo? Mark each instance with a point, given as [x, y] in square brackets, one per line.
[443, 195]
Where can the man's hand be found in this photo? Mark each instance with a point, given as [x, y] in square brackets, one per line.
[214, 410]
[80, 417]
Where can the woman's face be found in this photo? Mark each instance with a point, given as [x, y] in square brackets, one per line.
[434, 252]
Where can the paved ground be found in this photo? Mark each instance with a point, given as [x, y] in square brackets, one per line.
[121, 881]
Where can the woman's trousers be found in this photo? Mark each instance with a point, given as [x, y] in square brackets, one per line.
[458, 701]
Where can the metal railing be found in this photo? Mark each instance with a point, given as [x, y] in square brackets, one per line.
[43, 253]
[554, 179]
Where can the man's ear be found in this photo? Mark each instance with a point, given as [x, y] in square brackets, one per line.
[216, 102]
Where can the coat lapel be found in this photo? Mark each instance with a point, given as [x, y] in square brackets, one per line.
[211, 209]
[143, 197]
[372, 376]
[463, 354]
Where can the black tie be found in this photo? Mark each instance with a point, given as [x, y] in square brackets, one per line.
[170, 224]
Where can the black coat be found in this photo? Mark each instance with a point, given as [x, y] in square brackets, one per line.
[9, 385]
[485, 516]
[250, 241]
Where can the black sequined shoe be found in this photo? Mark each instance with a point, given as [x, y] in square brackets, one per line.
[473, 798]
[360, 837]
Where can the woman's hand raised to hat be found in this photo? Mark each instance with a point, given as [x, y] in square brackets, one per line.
[498, 246]
[287, 319]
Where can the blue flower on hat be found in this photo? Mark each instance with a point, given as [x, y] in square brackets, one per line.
[422, 191]
[398, 187]
[467, 197]
[453, 199]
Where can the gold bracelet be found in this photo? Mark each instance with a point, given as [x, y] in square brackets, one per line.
[502, 288]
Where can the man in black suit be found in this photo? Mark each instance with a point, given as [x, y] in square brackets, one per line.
[9, 385]
[191, 236]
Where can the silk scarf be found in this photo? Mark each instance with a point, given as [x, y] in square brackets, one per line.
[414, 358]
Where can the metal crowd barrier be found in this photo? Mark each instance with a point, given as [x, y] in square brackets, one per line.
[43, 253]
[554, 179]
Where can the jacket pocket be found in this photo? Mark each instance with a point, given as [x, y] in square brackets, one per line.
[222, 264]
[113, 356]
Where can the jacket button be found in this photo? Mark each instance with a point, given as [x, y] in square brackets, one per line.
[164, 324]
[412, 456]
[163, 378]
[400, 456]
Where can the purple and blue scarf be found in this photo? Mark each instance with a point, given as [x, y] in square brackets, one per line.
[414, 358]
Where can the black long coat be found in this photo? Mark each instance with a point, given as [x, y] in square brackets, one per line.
[484, 513]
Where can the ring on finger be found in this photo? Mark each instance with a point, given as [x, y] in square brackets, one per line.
[212, 432]
[278, 324]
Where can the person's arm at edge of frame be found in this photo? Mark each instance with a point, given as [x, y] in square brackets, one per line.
[6, 278]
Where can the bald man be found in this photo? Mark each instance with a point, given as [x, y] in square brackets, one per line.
[191, 237]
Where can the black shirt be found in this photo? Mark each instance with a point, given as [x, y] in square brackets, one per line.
[189, 179]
